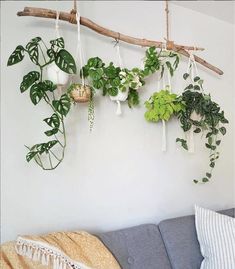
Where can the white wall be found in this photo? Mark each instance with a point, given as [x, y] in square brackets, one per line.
[117, 176]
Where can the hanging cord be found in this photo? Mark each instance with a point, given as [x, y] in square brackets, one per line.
[57, 31]
[79, 47]
[166, 85]
[120, 63]
[193, 72]
[167, 19]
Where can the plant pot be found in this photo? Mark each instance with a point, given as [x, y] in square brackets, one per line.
[80, 93]
[56, 75]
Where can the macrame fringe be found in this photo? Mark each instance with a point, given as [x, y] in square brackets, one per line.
[163, 136]
[46, 254]
[119, 109]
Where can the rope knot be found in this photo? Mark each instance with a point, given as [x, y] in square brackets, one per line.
[72, 18]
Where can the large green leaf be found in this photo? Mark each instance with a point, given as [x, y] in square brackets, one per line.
[16, 56]
[42, 147]
[62, 106]
[64, 60]
[36, 92]
[53, 121]
[28, 80]
[32, 48]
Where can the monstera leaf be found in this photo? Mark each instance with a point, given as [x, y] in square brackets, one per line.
[28, 80]
[64, 60]
[16, 56]
[62, 106]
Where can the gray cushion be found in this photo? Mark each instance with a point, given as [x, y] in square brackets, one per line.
[180, 239]
[139, 247]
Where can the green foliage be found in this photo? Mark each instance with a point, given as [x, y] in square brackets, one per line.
[209, 120]
[111, 79]
[44, 90]
[162, 106]
[159, 61]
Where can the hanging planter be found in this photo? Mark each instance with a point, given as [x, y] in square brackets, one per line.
[202, 115]
[80, 93]
[56, 75]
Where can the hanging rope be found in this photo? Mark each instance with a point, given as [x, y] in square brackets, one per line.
[167, 19]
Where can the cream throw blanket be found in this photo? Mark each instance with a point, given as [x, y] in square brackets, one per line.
[61, 250]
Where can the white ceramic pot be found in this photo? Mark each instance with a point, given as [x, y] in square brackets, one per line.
[56, 75]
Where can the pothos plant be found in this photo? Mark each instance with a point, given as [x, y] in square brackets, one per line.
[203, 116]
[46, 154]
[162, 105]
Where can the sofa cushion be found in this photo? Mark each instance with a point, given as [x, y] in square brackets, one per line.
[180, 239]
[139, 247]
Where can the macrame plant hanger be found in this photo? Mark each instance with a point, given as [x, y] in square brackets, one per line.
[166, 78]
[121, 96]
[80, 92]
[192, 70]
[54, 73]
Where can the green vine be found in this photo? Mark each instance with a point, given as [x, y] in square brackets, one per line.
[45, 154]
[209, 120]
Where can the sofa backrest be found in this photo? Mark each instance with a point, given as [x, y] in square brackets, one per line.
[138, 247]
[180, 239]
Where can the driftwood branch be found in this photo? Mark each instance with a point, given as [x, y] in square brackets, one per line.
[65, 16]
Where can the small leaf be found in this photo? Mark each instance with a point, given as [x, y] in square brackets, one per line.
[113, 91]
[195, 181]
[28, 80]
[210, 140]
[218, 142]
[196, 79]
[208, 175]
[222, 130]
[63, 105]
[205, 179]
[16, 56]
[196, 87]
[51, 54]
[53, 121]
[185, 76]
[49, 86]
[212, 164]
[51, 132]
[64, 60]
[197, 130]
[59, 42]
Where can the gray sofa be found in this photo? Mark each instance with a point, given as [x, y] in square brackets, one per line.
[170, 245]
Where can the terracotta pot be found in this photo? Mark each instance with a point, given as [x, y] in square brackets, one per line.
[80, 93]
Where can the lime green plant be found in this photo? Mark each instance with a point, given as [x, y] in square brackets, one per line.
[162, 105]
[46, 154]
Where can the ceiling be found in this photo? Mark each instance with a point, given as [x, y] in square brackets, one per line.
[223, 10]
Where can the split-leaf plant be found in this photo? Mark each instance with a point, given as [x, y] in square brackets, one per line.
[209, 120]
[46, 154]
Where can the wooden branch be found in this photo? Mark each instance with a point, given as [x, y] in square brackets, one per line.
[65, 16]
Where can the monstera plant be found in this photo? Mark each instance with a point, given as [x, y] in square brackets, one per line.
[204, 116]
[48, 155]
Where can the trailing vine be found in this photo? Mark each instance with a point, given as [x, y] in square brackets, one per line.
[45, 154]
[202, 115]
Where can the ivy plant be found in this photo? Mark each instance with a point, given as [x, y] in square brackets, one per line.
[162, 105]
[210, 120]
[46, 154]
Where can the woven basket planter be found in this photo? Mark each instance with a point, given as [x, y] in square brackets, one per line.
[80, 93]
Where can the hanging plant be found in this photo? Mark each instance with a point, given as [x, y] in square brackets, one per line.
[203, 115]
[162, 105]
[159, 61]
[46, 154]
[111, 79]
